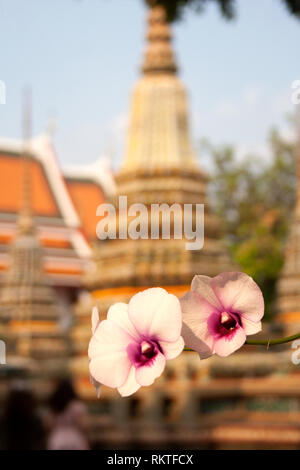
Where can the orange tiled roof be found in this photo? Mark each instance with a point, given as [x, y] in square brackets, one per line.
[51, 199]
[11, 177]
[54, 270]
[47, 241]
[86, 197]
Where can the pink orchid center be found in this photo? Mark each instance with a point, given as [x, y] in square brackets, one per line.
[148, 350]
[143, 353]
[228, 321]
[223, 323]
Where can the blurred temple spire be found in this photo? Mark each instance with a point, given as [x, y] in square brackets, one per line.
[27, 302]
[158, 138]
[159, 57]
[288, 301]
[25, 220]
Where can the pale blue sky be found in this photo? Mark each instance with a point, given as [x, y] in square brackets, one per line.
[81, 58]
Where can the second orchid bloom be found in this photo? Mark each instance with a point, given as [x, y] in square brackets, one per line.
[130, 348]
[219, 312]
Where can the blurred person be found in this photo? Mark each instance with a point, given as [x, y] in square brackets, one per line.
[22, 428]
[67, 419]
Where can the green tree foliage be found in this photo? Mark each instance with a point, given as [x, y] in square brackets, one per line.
[175, 8]
[255, 200]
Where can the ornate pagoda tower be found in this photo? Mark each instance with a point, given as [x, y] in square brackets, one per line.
[159, 167]
[288, 288]
[29, 312]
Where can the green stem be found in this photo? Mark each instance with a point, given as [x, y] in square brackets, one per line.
[272, 342]
[267, 342]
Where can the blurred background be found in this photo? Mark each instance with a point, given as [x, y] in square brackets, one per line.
[164, 102]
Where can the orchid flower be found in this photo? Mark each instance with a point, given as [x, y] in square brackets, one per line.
[130, 348]
[218, 313]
